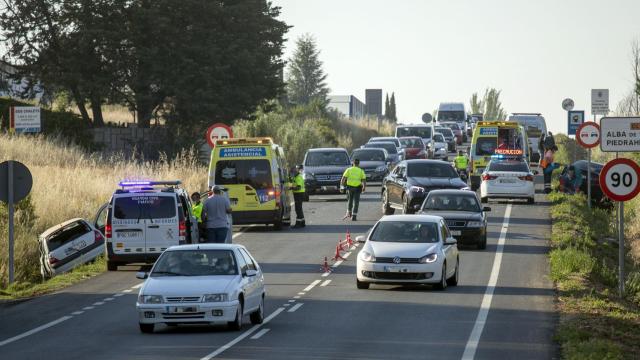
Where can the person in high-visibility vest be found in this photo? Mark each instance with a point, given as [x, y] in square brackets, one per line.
[354, 178]
[461, 161]
[196, 207]
[298, 196]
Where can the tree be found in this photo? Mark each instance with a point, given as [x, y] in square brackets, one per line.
[392, 107]
[490, 105]
[630, 103]
[305, 76]
[477, 106]
[387, 110]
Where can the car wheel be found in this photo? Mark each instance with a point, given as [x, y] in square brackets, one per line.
[362, 285]
[482, 243]
[484, 199]
[443, 280]
[531, 200]
[236, 324]
[112, 266]
[278, 225]
[386, 207]
[257, 317]
[146, 328]
[406, 209]
[453, 281]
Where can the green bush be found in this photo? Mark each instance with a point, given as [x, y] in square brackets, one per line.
[26, 263]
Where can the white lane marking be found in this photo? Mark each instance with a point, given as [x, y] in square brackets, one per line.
[285, 304]
[137, 286]
[302, 293]
[326, 274]
[297, 297]
[242, 231]
[108, 299]
[338, 263]
[127, 291]
[295, 307]
[77, 312]
[118, 295]
[476, 333]
[88, 308]
[33, 331]
[98, 303]
[312, 285]
[292, 301]
[259, 334]
[243, 336]
[325, 283]
[346, 255]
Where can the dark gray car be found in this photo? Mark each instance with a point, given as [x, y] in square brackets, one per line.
[373, 162]
[323, 169]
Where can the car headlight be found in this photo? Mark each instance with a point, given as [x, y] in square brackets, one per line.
[431, 258]
[215, 298]
[367, 256]
[466, 188]
[381, 168]
[150, 299]
[308, 176]
[474, 224]
[416, 189]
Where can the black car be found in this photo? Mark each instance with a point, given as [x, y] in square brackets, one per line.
[373, 162]
[410, 182]
[323, 169]
[462, 212]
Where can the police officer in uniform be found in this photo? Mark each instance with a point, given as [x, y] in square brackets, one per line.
[461, 161]
[355, 180]
[196, 207]
[298, 196]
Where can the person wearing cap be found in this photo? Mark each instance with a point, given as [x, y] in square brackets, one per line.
[298, 196]
[196, 207]
[354, 178]
[214, 214]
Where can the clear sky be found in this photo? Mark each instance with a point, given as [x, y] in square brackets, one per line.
[537, 52]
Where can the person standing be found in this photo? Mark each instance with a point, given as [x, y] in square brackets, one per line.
[214, 213]
[298, 196]
[196, 207]
[548, 165]
[549, 141]
[354, 178]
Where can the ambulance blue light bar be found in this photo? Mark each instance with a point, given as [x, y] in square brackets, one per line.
[148, 183]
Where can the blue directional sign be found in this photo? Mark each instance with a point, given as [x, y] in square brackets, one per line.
[575, 118]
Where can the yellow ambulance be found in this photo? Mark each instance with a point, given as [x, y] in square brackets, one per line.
[255, 173]
[491, 137]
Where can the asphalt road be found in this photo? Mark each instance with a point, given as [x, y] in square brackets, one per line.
[502, 308]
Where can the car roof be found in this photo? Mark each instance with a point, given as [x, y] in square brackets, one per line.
[452, 192]
[326, 149]
[208, 246]
[384, 137]
[425, 161]
[410, 137]
[142, 192]
[382, 142]
[413, 218]
[370, 149]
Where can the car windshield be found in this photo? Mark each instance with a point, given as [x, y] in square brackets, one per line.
[451, 202]
[445, 131]
[368, 155]
[423, 132]
[145, 206]
[438, 138]
[68, 233]
[390, 147]
[195, 263]
[255, 173]
[412, 143]
[327, 158]
[405, 231]
[388, 139]
[451, 116]
[508, 165]
[452, 126]
[486, 146]
[431, 169]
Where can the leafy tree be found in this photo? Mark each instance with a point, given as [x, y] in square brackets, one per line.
[490, 105]
[392, 106]
[477, 106]
[306, 79]
[387, 110]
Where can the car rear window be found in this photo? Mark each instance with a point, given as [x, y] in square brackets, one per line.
[516, 166]
[412, 143]
[390, 147]
[405, 231]
[255, 173]
[327, 158]
[149, 206]
[66, 234]
[450, 202]
[368, 155]
[443, 170]
[419, 131]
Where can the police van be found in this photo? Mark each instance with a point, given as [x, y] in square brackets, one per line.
[143, 219]
[255, 173]
[487, 138]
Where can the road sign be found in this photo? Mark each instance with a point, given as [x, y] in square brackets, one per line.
[588, 134]
[600, 101]
[620, 134]
[25, 119]
[427, 118]
[567, 104]
[620, 179]
[574, 120]
[218, 131]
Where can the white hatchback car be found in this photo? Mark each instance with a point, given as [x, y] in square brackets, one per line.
[409, 249]
[507, 178]
[206, 283]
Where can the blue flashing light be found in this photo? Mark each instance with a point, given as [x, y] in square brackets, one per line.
[139, 183]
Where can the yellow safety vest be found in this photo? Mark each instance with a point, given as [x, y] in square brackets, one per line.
[355, 176]
[197, 211]
[299, 182]
[461, 162]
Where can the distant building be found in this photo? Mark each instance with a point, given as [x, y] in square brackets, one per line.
[348, 105]
[373, 98]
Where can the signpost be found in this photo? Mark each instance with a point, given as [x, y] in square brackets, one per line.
[567, 104]
[427, 118]
[620, 181]
[599, 102]
[218, 131]
[575, 118]
[15, 185]
[25, 119]
[620, 134]
[588, 136]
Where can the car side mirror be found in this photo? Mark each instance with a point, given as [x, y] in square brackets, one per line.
[361, 239]
[250, 273]
[451, 241]
[142, 275]
[486, 209]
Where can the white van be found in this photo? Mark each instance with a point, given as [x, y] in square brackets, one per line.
[535, 126]
[454, 112]
[143, 219]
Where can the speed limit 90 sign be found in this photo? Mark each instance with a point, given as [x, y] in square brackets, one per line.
[620, 179]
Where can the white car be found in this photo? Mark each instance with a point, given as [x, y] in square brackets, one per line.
[206, 283]
[439, 147]
[507, 178]
[408, 249]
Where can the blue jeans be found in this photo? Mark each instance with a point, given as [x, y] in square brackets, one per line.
[217, 235]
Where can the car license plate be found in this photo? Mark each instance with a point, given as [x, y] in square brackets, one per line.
[507, 181]
[128, 234]
[181, 309]
[395, 269]
[456, 232]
